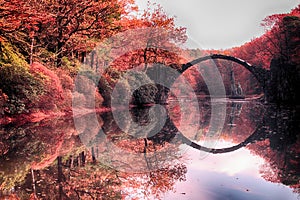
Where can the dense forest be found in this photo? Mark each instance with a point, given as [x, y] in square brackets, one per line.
[43, 46]
[59, 59]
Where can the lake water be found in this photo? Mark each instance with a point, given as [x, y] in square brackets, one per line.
[212, 150]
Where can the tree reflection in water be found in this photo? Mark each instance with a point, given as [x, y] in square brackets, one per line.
[48, 160]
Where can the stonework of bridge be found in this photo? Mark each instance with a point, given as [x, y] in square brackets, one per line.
[279, 84]
[283, 128]
[262, 75]
[258, 135]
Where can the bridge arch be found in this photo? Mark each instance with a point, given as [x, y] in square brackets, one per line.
[258, 135]
[259, 73]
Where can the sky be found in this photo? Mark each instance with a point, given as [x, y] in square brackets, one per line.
[221, 24]
[234, 175]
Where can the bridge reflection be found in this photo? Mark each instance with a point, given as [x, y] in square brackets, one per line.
[271, 133]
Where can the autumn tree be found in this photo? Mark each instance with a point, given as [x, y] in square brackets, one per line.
[15, 26]
[154, 184]
[279, 40]
[60, 26]
[281, 32]
[161, 44]
[157, 37]
[147, 40]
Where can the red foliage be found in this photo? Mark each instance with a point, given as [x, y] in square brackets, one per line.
[52, 87]
[282, 33]
[62, 27]
[10, 197]
[154, 39]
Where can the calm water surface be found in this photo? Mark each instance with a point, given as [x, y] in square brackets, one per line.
[222, 150]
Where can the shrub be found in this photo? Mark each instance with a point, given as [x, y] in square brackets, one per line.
[3, 100]
[53, 91]
[21, 87]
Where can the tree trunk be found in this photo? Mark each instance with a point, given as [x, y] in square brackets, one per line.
[33, 183]
[232, 83]
[93, 155]
[31, 51]
[60, 176]
[82, 157]
[82, 60]
[59, 54]
[92, 59]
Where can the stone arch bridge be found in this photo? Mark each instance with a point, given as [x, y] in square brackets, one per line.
[280, 84]
[262, 75]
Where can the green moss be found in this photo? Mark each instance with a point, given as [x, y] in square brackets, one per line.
[16, 175]
[9, 55]
[21, 87]
[71, 66]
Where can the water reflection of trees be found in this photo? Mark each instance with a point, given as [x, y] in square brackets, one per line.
[49, 161]
[270, 132]
[281, 147]
[92, 180]
[32, 146]
[276, 138]
[137, 149]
